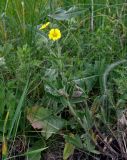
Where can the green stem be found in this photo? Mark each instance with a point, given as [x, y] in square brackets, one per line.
[75, 115]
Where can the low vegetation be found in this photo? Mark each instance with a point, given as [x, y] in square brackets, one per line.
[63, 79]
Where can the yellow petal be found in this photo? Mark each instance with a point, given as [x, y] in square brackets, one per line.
[44, 26]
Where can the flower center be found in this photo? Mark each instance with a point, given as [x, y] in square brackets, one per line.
[54, 34]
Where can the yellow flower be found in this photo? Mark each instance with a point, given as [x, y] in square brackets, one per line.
[54, 34]
[44, 26]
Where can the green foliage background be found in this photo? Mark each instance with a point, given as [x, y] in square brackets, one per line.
[84, 72]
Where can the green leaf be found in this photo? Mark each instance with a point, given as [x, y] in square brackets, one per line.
[87, 119]
[35, 155]
[75, 140]
[89, 146]
[18, 110]
[2, 99]
[62, 14]
[42, 118]
[51, 126]
[68, 150]
[37, 115]
[30, 153]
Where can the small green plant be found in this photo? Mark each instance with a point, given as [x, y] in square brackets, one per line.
[63, 74]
